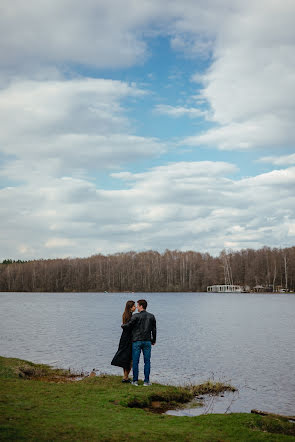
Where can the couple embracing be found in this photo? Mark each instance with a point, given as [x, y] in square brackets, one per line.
[139, 334]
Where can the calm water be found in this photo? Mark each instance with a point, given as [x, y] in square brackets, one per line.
[247, 339]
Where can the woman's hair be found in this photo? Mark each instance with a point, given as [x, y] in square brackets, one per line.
[127, 312]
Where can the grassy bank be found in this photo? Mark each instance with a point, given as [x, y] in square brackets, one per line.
[40, 403]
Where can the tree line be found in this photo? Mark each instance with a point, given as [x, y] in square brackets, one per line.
[152, 271]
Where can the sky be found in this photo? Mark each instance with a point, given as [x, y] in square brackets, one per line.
[146, 125]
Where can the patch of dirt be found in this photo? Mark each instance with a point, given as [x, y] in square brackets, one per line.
[42, 373]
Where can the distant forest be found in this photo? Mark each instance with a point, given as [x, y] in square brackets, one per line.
[152, 271]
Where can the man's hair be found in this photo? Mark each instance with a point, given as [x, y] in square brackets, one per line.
[143, 303]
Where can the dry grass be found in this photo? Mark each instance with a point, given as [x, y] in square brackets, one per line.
[45, 373]
[211, 387]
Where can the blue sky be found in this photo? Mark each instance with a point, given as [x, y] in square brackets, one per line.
[137, 126]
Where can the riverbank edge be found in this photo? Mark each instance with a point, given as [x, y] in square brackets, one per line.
[39, 402]
[251, 292]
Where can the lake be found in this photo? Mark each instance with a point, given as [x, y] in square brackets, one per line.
[244, 339]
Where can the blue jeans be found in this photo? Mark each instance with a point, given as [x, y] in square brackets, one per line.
[146, 347]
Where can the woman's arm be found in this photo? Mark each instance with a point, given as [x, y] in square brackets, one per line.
[130, 324]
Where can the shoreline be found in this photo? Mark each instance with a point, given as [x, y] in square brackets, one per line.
[43, 403]
[147, 292]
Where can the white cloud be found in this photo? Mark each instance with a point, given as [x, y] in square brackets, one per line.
[263, 131]
[56, 130]
[192, 47]
[102, 34]
[55, 243]
[250, 84]
[279, 160]
[179, 111]
[85, 105]
[72, 32]
[55, 127]
[187, 205]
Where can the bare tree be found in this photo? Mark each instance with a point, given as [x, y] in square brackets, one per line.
[172, 270]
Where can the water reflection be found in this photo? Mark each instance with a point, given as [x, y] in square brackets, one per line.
[210, 404]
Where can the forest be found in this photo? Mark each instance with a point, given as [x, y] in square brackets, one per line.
[272, 269]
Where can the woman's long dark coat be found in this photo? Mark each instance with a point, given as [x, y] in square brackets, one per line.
[123, 356]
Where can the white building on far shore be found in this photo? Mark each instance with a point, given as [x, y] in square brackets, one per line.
[225, 288]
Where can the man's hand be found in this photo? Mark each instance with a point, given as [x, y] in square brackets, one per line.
[153, 343]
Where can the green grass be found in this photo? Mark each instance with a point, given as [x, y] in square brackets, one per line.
[44, 404]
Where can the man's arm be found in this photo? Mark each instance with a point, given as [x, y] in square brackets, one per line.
[154, 331]
[130, 324]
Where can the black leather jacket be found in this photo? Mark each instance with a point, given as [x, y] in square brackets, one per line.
[142, 326]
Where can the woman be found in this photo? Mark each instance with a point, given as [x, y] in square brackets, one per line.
[123, 357]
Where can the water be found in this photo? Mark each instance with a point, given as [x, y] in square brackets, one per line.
[244, 339]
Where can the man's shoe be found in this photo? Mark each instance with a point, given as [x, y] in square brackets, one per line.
[147, 384]
[134, 383]
[126, 381]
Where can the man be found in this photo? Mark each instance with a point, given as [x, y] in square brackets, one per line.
[144, 333]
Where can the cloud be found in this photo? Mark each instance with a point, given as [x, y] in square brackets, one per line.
[58, 130]
[279, 160]
[191, 46]
[186, 205]
[178, 111]
[85, 105]
[101, 34]
[260, 132]
[58, 242]
[291, 231]
[250, 85]
[72, 32]
[61, 126]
